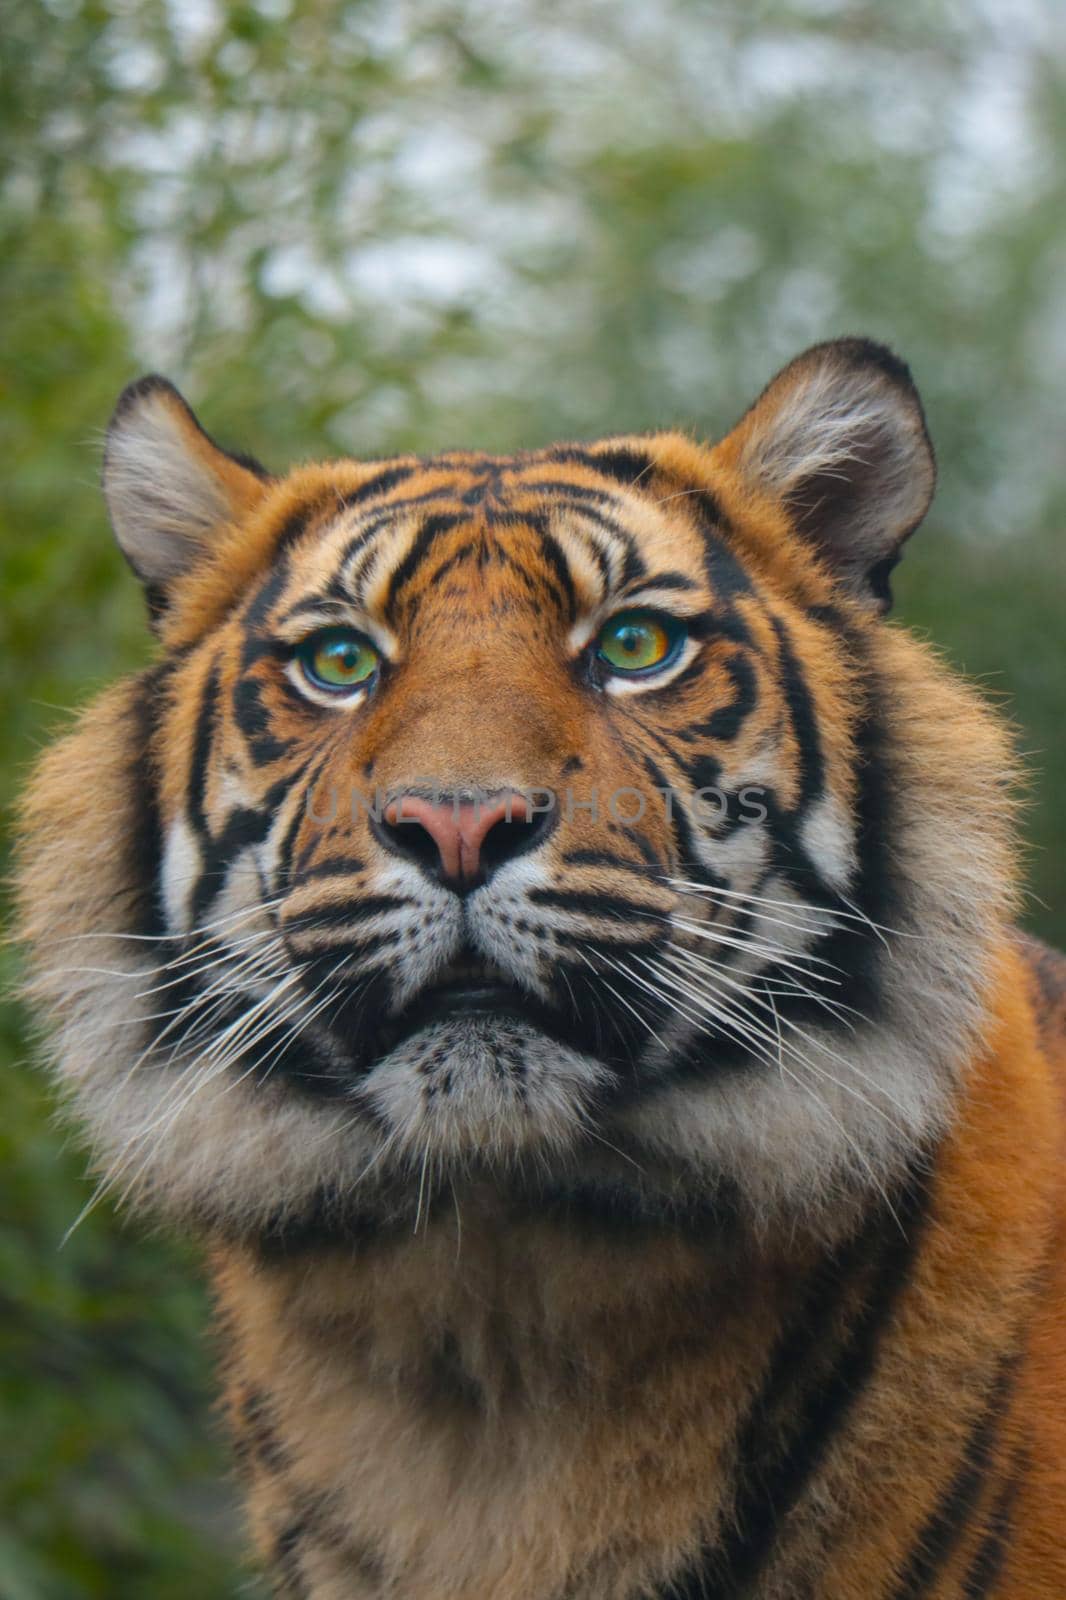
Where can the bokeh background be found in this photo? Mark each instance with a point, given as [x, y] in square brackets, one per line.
[373, 224]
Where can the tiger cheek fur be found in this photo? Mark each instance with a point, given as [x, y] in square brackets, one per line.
[552, 940]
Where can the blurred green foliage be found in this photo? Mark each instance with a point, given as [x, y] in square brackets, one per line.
[370, 225]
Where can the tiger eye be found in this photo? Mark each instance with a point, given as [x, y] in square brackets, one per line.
[338, 658]
[639, 641]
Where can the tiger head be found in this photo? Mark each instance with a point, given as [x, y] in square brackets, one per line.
[570, 822]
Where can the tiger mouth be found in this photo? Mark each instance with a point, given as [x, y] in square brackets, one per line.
[469, 994]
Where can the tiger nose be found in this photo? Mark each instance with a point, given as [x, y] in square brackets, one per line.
[461, 841]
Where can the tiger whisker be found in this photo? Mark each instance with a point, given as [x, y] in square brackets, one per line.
[304, 1019]
[849, 1139]
[822, 1047]
[779, 953]
[658, 994]
[794, 986]
[716, 891]
[202, 929]
[214, 1062]
[207, 966]
[619, 997]
[421, 1187]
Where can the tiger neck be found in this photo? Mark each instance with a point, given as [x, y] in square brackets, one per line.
[491, 1409]
[483, 1382]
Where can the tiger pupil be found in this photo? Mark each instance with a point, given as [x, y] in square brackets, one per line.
[343, 658]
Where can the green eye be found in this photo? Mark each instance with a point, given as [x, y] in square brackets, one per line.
[640, 641]
[338, 658]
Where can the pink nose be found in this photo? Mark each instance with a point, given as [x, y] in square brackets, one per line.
[453, 837]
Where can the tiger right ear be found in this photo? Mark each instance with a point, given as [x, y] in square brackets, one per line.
[170, 489]
[839, 440]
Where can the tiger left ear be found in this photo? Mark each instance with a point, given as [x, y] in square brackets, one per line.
[839, 439]
[170, 489]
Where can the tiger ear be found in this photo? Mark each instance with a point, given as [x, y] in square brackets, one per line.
[170, 489]
[839, 438]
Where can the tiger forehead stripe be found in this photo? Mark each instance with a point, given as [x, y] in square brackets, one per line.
[389, 543]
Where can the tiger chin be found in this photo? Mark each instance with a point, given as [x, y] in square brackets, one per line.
[551, 938]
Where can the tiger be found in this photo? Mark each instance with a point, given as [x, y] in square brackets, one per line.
[550, 937]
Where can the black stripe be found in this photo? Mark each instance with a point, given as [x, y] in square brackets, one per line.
[622, 464]
[203, 737]
[335, 1221]
[627, 710]
[558, 581]
[647, 850]
[295, 524]
[625, 465]
[602, 858]
[727, 721]
[328, 1221]
[773, 1473]
[282, 872]
[948, 1520]
[671, 580]
[626, 943]
[455, 559]
[598, 518]
[987, 1564]
[335, 867]
[284, 1559]
[312, 1521]
[596, 550]
[603, 520]
[143, 842]
[621, 1208]
[721, 810]
[553, 555]
[244, 827]
[804, 720]
[379, 483]
[703, 772]
[258, 1434]
[593, 905]
[258, 648]
[853, 947]
[633, 567]
[257, 611]
[688, 862]
[729, 580]
[156, 600]
[710, 509]
[422, 543]
[361, 543]
[313, 606]
[332, 950]
[351, 912]
[254, 722]
[443, 493]
[533, 585]
[577, 491]
[768, 1497]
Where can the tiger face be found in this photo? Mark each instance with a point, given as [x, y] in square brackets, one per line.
[544, 822]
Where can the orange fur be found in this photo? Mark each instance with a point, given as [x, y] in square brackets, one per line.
[710, 1310]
